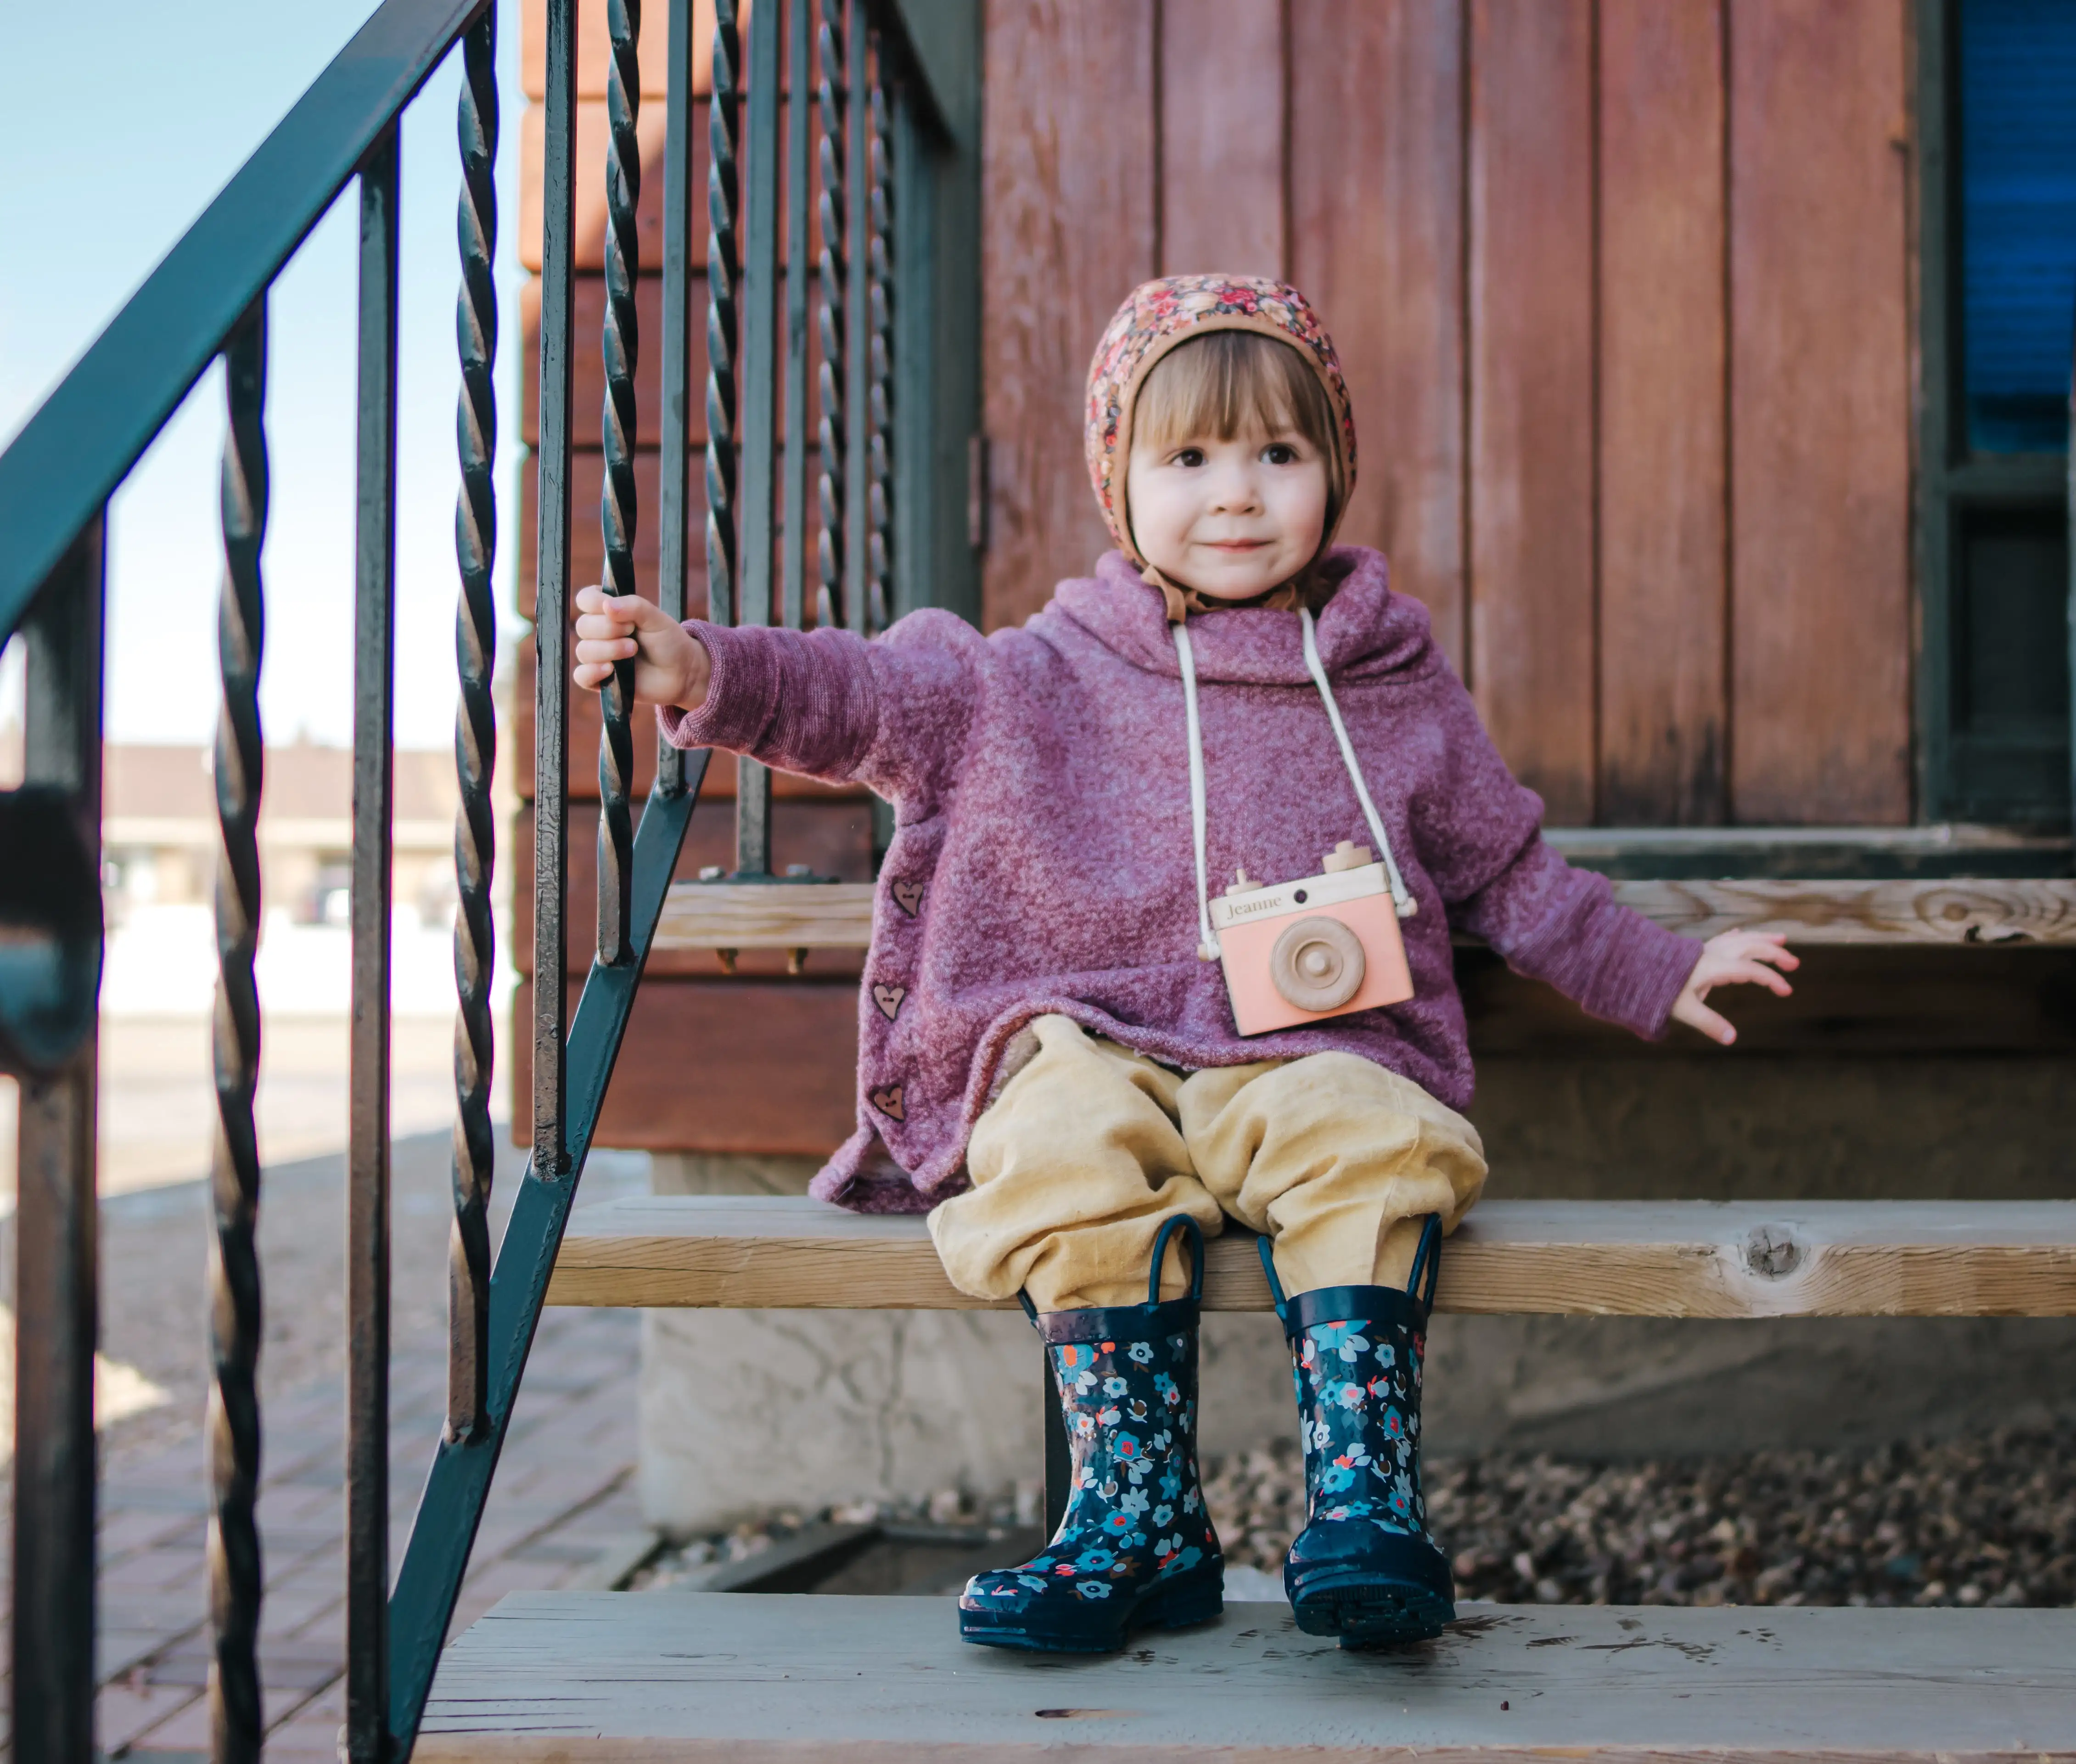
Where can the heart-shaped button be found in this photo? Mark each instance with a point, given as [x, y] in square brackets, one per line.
[908, 897]
[889, 999]
[888, 1102]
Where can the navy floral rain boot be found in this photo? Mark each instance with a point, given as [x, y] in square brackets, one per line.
[1135, 1549]
[1364, 1568]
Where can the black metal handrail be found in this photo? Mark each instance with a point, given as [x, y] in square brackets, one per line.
[95, 426]
[209, 298]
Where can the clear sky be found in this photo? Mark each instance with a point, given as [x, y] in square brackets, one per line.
[119, 121]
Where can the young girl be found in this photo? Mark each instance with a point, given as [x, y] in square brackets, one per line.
[1049, 1059]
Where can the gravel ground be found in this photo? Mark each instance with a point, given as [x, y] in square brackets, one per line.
[1981, 1522]
[1972, 1522]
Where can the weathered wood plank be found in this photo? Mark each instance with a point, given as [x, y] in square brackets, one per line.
[1376, 233]
[1965, 911]
[1067, 154]
[832, 835]
[638, 1678]
[1510, 1258]
[717, 915]
[1531, 392]
[1222, 138]
[1663, 459]
[1820, 361]
[1959, 911]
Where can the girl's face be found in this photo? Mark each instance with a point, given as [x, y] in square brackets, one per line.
[1231, 519]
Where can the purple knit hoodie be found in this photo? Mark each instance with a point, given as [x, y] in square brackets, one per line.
[1042, 859]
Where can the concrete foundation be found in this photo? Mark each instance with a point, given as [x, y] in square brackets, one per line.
[747, 1411]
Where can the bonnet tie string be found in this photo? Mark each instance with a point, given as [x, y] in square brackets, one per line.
[1402, 898]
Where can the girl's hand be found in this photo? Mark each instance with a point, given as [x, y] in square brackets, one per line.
[670, 665]
[1733, 957]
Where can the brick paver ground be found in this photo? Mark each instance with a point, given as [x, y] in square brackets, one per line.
[563, 1511]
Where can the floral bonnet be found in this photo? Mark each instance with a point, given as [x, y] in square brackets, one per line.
[1158, 316]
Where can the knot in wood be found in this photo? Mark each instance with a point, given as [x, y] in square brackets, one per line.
[1773, 1251]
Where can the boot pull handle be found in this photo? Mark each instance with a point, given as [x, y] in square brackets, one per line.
[1267, 1252]
[1427, 1262]
[1169, 1227]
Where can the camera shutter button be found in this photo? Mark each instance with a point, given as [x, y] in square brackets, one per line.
[1316, 964]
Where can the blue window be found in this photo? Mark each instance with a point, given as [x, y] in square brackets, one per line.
[2018, 220]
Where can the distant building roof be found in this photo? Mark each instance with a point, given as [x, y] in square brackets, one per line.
[301, 782]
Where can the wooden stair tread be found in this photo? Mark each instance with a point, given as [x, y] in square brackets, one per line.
[644, 1675]
[2035, 910]
[1592, 1258]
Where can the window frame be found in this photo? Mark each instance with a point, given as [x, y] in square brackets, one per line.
[1951, 483]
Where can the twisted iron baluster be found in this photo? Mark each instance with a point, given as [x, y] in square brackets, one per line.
[234, 1403]
[476, 735]
[723, 279]
[879, 454]
[617, 512]
[831, 94]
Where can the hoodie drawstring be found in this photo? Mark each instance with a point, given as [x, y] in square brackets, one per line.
[1402, 898]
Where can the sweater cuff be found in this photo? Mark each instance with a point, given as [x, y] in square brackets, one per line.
[727, 717]
[1644, 972]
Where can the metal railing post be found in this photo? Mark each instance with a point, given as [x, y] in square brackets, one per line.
[674, 465]
[551, 599]
[618, 512]
[759, 413]
[799, 176]
[235, 1716]
[724, 288]
[857, 318]
[475, 737]
[879, 571]
[55, 1300]
[368, 1149]
[833, 437]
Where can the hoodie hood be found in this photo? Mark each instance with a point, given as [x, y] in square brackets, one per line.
[1156, 318]
[1364, 631]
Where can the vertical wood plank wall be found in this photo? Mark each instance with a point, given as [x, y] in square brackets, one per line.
[1622, 289]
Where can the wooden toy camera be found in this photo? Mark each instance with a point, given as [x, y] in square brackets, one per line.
[1321, 947]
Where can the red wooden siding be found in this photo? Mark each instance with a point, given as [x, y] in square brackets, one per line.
[1221, 107]
[1623, 292]
[1377, 194]
[1663, 472]
[1530, 369]
[1069, 225]
[1819, 394]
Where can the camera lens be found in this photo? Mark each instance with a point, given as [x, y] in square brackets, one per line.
[1299, 896]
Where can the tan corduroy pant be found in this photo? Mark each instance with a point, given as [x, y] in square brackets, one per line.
[1090, 1147]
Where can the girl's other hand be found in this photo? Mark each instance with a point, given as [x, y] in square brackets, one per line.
[670, 665]
[1735, 957]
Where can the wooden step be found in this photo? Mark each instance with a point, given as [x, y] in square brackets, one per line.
[2041, 910]
[1582, 1258]
[644, 1676]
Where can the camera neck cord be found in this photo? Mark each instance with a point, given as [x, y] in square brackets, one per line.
[1401, 897]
